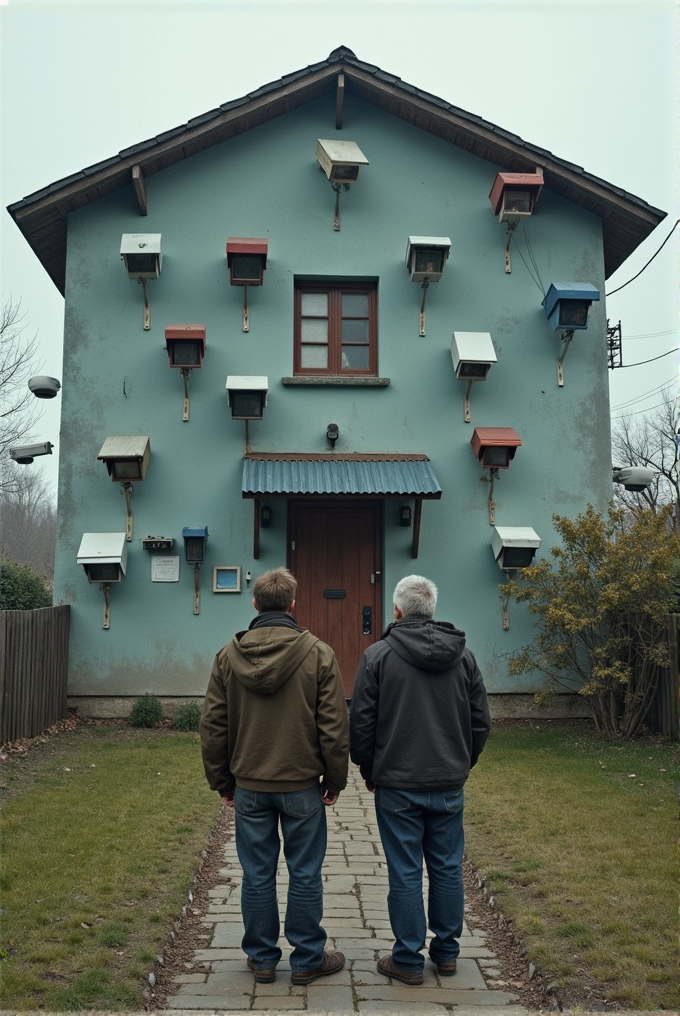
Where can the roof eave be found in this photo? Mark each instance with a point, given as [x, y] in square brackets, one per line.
[42, 216]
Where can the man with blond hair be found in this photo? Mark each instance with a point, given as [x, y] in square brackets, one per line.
[418, 721]
[274, 738]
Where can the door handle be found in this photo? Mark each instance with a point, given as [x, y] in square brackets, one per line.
[367, 620]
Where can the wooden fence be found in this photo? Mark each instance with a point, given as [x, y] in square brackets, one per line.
[663, 715]
[33, 670]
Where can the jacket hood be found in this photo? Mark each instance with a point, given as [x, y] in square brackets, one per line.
[262, 659]
[425, 643]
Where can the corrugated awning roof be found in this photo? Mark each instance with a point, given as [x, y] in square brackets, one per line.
[411, 476]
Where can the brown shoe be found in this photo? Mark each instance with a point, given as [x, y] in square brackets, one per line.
[263, 975]
[332, 963]
[388, 967]
[447, 968]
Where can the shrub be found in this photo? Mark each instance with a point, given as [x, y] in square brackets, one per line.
[187, 717]
[602, 610]
[21, 588]
[146, 712]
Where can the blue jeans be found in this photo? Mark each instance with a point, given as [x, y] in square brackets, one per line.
[303, 824]
[416, 824]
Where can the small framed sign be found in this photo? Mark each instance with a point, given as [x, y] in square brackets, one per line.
[164, 569]
[227, 578]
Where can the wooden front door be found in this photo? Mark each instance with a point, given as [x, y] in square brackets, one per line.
[335, 553]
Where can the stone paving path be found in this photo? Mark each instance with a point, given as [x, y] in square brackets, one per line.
[356, 921]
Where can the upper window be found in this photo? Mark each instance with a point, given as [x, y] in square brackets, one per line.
[336, 329]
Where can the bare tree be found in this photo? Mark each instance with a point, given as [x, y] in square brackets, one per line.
[28, 519]
[19, 410]
[650, 441]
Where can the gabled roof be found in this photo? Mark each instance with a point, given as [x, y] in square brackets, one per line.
[627, 219]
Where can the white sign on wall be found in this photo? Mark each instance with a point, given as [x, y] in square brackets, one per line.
[164, 569]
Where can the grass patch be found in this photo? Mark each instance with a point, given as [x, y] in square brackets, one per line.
[576, 838]
[99, 847]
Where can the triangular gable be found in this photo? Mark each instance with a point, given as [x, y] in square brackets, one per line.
[627, 219]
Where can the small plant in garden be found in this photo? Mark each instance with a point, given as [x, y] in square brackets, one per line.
[146, 712]
[187, 717]
[602, 610]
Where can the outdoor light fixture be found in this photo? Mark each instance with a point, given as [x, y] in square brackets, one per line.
[247, 260]
[405, 515]
[341, 162]
[426, 257]
[472, 354]
[44, 387]
[247, 396]
[265, 516]
[126, 460]
[633, 478]
[24, 454]
[566, 305]
[332, 434]
[514, 548]
[513, 197]
[495, 448]
[195, 539]
[186, 348]
[104, 558]
[142, 255]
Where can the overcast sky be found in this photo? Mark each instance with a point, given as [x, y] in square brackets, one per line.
[596, 83]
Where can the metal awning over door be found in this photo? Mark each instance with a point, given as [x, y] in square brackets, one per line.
[287, 474]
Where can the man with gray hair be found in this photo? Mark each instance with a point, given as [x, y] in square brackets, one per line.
[419, 720]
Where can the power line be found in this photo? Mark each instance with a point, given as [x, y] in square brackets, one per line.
[677, 223]
[652, 335]
[645, 395]
[640, 363]
[639, 411]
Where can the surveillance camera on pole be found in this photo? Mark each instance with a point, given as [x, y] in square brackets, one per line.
[634, 478]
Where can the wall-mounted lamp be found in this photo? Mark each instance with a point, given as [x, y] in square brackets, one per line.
[633, 478]
[195, 539]
[495, 448]
[513, 197]
[24, 454]
[514, 548]
[104, 558]
[44, 387]
[265, 516]
[566, 305]
[142, 255]
[186, 348]
[126, 460]
[247, 396]
[341, 162]
[405, 515]
[426, 257]
[472, 354]
[247, 261]
[332, 434]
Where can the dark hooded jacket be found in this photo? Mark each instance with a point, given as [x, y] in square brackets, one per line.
[274, 716]
[419, 716]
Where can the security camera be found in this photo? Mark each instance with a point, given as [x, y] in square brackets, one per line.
[24, 454]
[634, 478]
[44, 387]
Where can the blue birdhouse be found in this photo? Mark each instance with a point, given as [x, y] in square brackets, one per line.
[194, 543]
[566, 304]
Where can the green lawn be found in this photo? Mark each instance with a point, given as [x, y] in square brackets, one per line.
[99, 847]
[578, 841]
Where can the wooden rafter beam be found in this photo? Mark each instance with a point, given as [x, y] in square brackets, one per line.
[140, 188]
[339, 101]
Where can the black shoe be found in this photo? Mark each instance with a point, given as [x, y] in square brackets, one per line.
[332, 962]
[447, 968]
[263, 975]
[389, 968]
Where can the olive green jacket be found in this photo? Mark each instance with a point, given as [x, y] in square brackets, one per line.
[274, 716]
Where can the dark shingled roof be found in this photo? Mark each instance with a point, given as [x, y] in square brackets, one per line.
[627, 219]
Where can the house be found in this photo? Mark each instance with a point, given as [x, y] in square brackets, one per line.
[301, 329]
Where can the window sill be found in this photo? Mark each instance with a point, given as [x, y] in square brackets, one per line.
[361, 381]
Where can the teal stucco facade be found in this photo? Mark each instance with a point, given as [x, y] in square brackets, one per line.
[116, 380]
